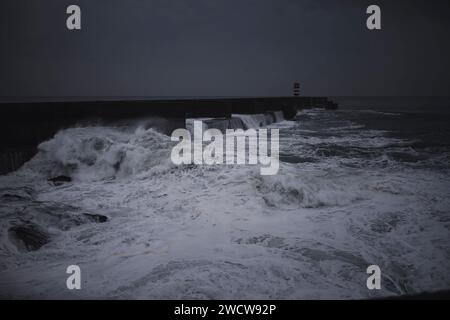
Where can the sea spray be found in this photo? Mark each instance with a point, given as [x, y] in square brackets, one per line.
[235, 147]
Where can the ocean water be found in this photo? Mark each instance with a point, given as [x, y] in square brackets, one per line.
[366, 184]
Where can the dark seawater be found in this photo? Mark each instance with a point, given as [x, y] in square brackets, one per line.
[366, 184]
[409, 131]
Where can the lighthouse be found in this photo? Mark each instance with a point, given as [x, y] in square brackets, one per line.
[296, 89]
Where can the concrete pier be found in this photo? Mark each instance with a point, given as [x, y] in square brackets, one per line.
[24, 125]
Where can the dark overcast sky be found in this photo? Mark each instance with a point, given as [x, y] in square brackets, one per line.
[224, 48]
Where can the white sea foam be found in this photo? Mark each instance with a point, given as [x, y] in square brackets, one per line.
[252, 121]
[221, 231]
[97, 153]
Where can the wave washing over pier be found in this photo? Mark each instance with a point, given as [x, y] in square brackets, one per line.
[355, 187]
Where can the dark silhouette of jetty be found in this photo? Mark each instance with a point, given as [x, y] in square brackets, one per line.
[24, 125]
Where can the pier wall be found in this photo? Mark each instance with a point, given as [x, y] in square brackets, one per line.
[24, 125]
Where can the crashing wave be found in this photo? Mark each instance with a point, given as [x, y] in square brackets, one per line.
[97, 153]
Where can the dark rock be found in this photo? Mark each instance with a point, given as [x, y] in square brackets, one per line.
[19, 193]
[59, 180]
[96, 217]
[28, 237]
[12, 196]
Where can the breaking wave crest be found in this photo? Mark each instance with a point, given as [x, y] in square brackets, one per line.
[252, 121]
[313, 188]
[97, 153]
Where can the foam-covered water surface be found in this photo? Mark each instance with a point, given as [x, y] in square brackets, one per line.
[353, 190]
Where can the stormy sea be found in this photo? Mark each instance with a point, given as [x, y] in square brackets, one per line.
[368, 184]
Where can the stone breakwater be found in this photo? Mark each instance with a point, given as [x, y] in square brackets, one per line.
[24, 125]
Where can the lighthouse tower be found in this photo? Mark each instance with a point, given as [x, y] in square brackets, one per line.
[296, 89]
